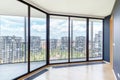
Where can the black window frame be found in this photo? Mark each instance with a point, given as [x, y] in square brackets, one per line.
[48, 37]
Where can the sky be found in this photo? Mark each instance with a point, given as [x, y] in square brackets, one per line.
[13, 25]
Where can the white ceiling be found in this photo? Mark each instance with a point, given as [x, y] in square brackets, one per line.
[12, 7]
[91, 8]
[16, 8]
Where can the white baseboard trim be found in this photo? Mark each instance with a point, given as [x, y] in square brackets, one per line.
[114, 74]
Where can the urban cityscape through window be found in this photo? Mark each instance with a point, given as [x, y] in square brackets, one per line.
[78, 39]
[58, 39]
[37, 39]
[12, 49]
[95, 39]
[14, 40]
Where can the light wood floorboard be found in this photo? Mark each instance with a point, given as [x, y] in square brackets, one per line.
[84, 72]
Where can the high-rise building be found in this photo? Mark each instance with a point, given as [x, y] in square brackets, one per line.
[64, 43]
[43, 44]
[35, 44]
[53, 44]
[80, 43]
[98, 43]
[11, 49]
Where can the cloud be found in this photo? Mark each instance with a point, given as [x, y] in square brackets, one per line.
[12, 20]
[58, 25]
[59, 28]
[6, 30]
[12, 25]
[97, 27]
[38, 28]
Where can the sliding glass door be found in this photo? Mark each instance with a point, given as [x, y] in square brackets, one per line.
[37, 39]
[68, 39]
[58, 39]
[78, 39]
[95, 39]
[13, 51]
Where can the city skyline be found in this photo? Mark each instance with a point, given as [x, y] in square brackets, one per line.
[12, 45]
[12, 28]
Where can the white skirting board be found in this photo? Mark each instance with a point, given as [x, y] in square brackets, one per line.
[114, 74]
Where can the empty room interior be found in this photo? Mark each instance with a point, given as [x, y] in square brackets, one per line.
[59, 39]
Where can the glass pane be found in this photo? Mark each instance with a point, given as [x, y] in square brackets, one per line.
[38, 39]
[58, 39]
[12, 40]
[95, 39]
[78, 39]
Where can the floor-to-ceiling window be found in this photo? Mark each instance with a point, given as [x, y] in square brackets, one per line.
[95, 39]
[37, 39]
[58, 39]
[67, 39]
[12, 39]
[78, 39]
